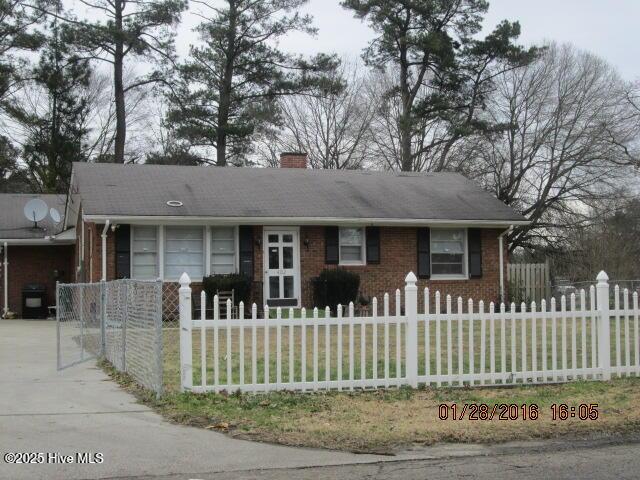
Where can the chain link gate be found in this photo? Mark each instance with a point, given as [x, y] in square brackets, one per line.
[120, 321]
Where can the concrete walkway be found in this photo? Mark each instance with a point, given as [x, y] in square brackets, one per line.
[81, 410]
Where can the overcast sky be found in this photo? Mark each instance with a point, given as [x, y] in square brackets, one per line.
[608, 28]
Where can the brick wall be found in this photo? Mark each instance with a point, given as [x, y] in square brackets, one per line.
[398, 256]
[36, 264]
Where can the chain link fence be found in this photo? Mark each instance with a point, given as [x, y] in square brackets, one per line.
[121, 321]
[79, 332]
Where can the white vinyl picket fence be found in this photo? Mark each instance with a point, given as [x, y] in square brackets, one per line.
[471, 344]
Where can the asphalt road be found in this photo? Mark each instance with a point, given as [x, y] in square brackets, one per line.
[589, 462]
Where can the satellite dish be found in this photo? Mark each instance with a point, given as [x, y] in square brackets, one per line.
[36, 210]
[55, 215]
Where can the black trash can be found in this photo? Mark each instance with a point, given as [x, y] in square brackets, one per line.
[34, 301]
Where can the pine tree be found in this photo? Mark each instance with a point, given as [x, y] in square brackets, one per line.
[444, 71]
[57, 132]
[229, 86]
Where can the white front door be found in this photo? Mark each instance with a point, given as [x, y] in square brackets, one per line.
[282, 266]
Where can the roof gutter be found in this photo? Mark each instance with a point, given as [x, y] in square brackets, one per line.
[36, 241]
[501, 247]
[209, 220]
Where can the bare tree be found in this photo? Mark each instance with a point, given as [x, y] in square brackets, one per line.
[568, 141]
[607, 243]
[429, 135]
[332, 127]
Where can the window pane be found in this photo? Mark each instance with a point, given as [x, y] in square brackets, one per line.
[351, 236]
[447, 258]
[223, 233]
[447, 269]
[144, 258]
[287, 238]
[145, 272]
[447, 247]
[351, 254]
[287, 257]
[222, 269]
[184, 252]
[273, 238]
[288, 287]
[144, 245]
[222, 246]
[447, 251]
[274, 287]
[274, 260]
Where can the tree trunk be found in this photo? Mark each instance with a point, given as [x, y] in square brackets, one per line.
[118, 87]
[406, 160]
[224, 93]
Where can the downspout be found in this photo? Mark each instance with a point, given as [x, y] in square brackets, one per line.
[6, 279]
[501, 254]
[104, 250]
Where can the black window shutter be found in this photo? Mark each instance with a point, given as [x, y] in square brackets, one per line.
[373, 245]
[475, 253]
[424, 252]
[246, 250]
[123, 251]
[331, 245]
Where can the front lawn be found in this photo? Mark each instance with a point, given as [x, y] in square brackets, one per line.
[379, 421]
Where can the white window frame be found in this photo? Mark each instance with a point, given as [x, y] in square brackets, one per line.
[205, 249]
[236, 247]
[131, 252]
[363, 260]
[465, 258]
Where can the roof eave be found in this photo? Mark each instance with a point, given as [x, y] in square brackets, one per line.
[207, 220]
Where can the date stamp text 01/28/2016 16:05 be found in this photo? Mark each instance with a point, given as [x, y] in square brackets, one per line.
[506, 411]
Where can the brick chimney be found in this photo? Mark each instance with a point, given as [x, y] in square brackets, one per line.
[293, 160]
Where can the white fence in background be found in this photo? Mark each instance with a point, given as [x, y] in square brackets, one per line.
[469, 345]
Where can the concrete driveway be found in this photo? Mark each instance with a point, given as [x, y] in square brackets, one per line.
[81, 410]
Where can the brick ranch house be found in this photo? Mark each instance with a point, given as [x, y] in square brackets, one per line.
[283, 226]
[31, 255]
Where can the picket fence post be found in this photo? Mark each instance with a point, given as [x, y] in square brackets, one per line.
[186, 362]
[411, 332]
[604, 339]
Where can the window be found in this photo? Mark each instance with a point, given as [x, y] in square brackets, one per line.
[352, 246]
[144, 253]
[448, 253]
[184, 252]
[223, 250]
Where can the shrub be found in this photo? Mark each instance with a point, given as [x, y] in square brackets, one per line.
[240, 284]
[335, 287]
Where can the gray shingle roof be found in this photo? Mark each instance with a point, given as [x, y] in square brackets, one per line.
[143, 190]
[13, 223]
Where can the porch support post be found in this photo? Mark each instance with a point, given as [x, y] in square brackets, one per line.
[104, 251]
[5, 283]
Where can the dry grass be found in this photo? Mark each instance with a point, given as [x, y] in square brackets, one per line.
[384, 421]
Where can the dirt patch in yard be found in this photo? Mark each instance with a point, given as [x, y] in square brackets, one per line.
[386, 421]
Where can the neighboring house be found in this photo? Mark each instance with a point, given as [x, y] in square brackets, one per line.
[282, 227]
[32, 256]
